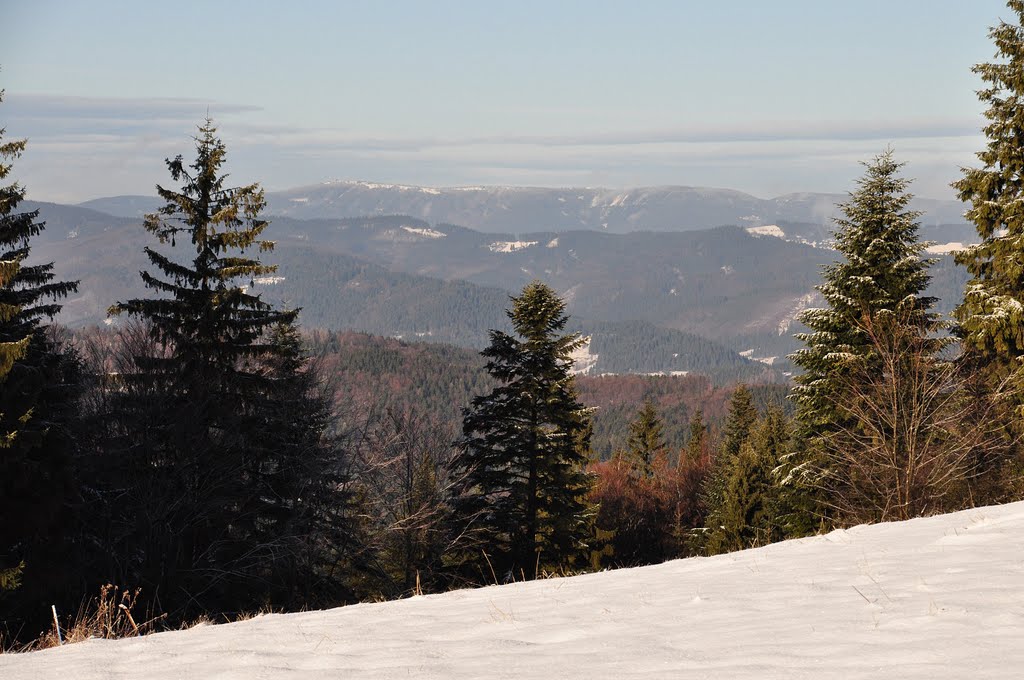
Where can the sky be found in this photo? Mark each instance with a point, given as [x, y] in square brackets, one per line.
[764, 97]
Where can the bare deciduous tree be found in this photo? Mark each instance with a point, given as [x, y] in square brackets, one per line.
[917, 435]
[404, 473]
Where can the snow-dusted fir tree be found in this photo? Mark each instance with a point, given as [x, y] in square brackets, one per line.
[882, 270]
[991, 317]
[523, 454]
[882, 277]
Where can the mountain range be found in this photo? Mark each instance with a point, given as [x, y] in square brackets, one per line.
[721, 301]
[531, 209]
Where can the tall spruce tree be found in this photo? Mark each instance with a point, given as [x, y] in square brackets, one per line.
[38, 388]
[882, 271]
[521, 499]
[220, 437]
[991, 317]
[882, 275]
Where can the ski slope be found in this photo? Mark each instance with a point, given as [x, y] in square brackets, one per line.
[940, 597]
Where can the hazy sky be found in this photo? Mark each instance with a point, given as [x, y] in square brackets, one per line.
[765, 97]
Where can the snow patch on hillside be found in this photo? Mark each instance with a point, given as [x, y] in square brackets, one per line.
[801, 303]
[583, 361]
[426, 233]
[749, 354]
[268, 280]
[509, 246]
[395, 187]
[767, 230]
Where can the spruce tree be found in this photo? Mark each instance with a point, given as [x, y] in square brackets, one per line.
[991, 316]
[522, 459]
[646, 439]
[696, 442]
[748, 514]
[882, 276]
[38, 389]
[739, 424]
[220, 438]
[882, 271]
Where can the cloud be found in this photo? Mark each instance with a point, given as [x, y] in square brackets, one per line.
[137, 109]
[83, 147]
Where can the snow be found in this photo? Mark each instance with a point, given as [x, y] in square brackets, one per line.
[582, 359]
[268, 280]
[799, 305]
[767, 230]
[553, 243]
[749, 354]
[944, 248]
[509, 246]
[428, 233]
[938, 597]
[395, 187]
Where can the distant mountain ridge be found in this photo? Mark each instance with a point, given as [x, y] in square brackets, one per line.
[522, 209]
[337, 290]
[664, 293]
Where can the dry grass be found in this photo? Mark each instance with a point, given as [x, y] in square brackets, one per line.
[109, 615]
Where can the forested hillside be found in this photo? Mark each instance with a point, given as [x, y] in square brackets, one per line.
[440, 380]
[380, 275]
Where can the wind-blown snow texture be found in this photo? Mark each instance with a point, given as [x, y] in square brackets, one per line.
[941, 597]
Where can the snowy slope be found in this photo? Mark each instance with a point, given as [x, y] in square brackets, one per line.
[941, 597]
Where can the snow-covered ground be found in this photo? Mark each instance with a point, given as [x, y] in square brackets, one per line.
[941, 597]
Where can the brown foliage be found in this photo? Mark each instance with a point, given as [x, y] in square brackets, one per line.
[647, 518]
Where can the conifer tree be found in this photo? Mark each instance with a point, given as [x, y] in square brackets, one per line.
[521, 498]
[747, 510]
[696, 443]
[883, 274]
[991, 316]
[739, 424]
[748, 513]
[220, 436]
[38, 388]
[646, 438]
[882, 271]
